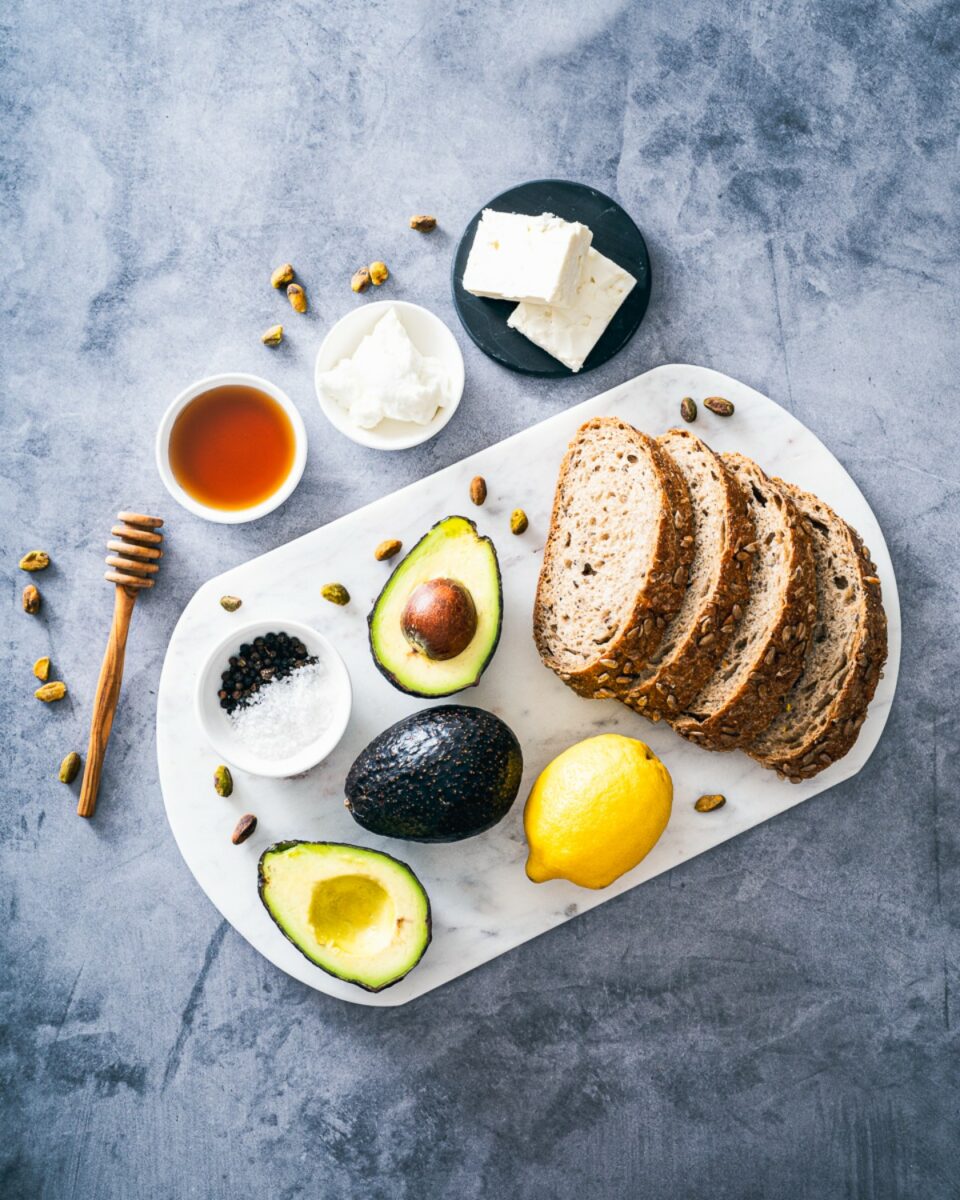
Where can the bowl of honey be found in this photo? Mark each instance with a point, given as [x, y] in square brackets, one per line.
[231, 448]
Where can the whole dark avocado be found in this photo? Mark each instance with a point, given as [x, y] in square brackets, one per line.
[439, 775]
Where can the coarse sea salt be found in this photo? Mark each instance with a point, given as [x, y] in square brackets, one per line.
[286, 715]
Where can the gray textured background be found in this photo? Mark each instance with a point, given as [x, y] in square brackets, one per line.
[776, 1019]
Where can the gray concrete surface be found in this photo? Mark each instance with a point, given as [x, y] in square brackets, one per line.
[776, 1019]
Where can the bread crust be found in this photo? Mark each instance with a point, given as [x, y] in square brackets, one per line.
[641, 632]
[779, 660]
[868, 654]
[694, 659]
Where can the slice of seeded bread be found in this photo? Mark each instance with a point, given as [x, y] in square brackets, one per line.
[699, 633]
[823, 711]
[763, 661]
[615, 561]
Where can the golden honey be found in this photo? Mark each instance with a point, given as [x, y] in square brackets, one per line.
[232, 447]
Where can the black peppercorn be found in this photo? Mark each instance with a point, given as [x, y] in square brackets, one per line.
[257, 664]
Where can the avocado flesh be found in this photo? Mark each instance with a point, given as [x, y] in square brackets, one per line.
[358, 914]
[439, 775]
[452, 549]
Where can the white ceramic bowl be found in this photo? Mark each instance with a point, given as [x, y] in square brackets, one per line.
[430, 336]
[218, 727]
[231, 516]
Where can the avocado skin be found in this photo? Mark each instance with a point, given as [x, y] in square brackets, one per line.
[279, 847]
[391, 676]
[439, 775]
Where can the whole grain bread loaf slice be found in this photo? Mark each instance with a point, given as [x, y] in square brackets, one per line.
[719, 584]
[822, 713]
[615, 561]
[763, 661]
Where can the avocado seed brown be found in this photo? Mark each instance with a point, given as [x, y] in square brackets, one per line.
[439, 619]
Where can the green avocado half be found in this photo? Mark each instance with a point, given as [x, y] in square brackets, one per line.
[453, 554]
[359, 914]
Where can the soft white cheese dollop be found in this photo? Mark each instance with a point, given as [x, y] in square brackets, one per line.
[387, 376]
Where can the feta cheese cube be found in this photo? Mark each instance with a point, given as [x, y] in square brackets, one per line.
[569, 334]
[516, 257]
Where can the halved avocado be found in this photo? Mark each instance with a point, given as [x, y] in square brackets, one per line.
[359, 914]
[451, 576]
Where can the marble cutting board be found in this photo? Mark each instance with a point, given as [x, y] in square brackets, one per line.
[483, 904]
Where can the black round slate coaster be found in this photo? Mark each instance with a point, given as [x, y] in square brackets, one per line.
[614, 234]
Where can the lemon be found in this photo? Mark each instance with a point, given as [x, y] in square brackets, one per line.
[596, 811]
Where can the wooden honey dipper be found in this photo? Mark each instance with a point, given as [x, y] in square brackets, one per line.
[133, 563]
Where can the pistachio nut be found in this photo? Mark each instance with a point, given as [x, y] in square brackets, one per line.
[709, 803]
[223, 781]
[719, 405]
[70, 767]
[478, 489]
[688, 408]
[31, 599]
[518, 521]
[297, 297]
[387, 549]
[378, 273]
[336, 593]
[282, 276]
[244, 829]
[35, 560]
[272, 336]
[41, 668]
[230, 603]
[423, 223]
[51, 691]
[361, 280]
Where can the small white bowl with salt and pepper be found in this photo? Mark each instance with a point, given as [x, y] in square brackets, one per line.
[389, 375]
[291, 722]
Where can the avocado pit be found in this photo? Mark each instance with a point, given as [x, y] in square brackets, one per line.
[439, 619]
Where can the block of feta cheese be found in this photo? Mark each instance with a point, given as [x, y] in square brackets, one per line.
[516, 257]
[569, 334]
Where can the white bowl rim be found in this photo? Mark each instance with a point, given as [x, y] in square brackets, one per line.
[418, 433]
[231, 516]
[313, 753]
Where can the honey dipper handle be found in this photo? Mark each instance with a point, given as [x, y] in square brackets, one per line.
[105, 704]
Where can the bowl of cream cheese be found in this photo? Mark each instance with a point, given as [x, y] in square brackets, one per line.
[389, 375]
